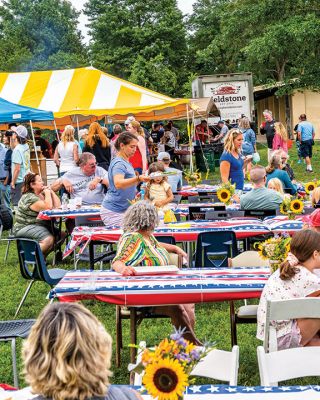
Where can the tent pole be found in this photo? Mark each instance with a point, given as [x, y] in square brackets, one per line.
[78, 127]
[56, 129]
[35, 148]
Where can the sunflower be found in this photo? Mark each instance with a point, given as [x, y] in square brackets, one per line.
[283, 208]
[165, 379]
[296, 206]
[309, 187]
[224, 195]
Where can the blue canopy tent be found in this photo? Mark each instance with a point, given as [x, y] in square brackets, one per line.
[11, 112]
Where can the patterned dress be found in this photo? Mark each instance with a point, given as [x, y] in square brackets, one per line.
[134, 249]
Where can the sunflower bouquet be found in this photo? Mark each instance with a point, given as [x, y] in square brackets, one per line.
[167, 366]
[291, 207]
[225, 192]
[274, 249]
[193, 177]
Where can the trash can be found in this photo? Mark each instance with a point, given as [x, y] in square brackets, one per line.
[204, 158]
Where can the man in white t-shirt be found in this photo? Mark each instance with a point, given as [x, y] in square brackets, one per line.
[85, 181]
[175, 181]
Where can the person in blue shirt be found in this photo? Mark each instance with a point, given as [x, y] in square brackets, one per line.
[231, 161]
[123, 181]
[305, 132]
[274, 170]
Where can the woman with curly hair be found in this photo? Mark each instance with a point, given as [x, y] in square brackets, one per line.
[68, 356]
[138, 246]
[66, 154]
[97, 143]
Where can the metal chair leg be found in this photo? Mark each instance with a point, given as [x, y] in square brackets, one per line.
[14, 363]
[7, 251]
[24, 297]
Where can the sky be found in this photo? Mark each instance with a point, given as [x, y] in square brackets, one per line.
[184, 5]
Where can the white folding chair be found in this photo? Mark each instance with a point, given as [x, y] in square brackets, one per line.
[246, 314]
[217, 364]
[277, 310]
[286, 364]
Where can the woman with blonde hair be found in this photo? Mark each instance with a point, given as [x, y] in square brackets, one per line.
[97, 143]
[231, 161]
[280, 139]
[316, 198]
[274, 170]
[139, 159]
[68, 356]
[66, 154]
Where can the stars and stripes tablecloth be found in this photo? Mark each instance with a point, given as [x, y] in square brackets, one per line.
[190, 285]
[214, 392]
[181, 231]
[202, 188]
[88, 211]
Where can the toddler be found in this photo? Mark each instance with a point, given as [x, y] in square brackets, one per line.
[158, 190]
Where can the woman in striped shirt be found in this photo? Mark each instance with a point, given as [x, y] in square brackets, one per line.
[138, 246]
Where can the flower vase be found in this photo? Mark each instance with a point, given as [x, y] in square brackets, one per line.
[274, 265]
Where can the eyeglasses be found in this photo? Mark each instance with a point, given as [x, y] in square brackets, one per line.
[284, 158]
[92, 164]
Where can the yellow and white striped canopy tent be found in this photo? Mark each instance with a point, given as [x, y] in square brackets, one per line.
[82, 95]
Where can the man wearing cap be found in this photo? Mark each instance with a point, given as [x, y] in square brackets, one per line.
[175, 181]
[223, 132]
[305, 133]
[20, 161]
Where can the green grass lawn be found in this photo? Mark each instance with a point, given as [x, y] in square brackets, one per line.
[212, 319]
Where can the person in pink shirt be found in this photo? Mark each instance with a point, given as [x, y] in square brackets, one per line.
[280, 139]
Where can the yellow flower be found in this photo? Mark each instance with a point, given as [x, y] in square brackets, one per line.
[147, 357]
[224, 195]
[283, 208]
[310, 186]
[296, 206]
[165, 379]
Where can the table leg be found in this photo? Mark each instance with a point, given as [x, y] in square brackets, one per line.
[189, 252]
[91, 255]
[133, 334]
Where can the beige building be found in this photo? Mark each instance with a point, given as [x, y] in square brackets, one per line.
[287, 108]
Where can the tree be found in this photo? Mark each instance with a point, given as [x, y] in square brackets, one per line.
[276, 40]
[127, 34]
[39, 35]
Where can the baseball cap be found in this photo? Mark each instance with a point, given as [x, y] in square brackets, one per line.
[129, 120]
[313, 219]
[163, 155]
[21, 131]
[220, 122]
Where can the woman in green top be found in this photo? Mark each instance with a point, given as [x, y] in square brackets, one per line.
[35, 198]
[138, 246]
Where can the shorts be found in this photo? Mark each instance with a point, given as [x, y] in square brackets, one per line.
[306, 148]
[16, 194]
[35, 232]
[290, 340]
[111, 219]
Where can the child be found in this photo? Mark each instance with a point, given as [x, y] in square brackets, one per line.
[280, 139]
[158, 190]
[295, 278]
[276, 184]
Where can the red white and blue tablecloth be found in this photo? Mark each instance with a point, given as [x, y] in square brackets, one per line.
[215, 392]
[190, 285]
[210, 189]
[88, 211]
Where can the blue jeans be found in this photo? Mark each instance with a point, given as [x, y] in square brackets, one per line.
[5, 191]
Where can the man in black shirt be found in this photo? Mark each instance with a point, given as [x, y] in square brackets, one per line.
[267, 128]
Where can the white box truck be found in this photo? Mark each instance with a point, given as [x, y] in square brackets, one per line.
[232, 93]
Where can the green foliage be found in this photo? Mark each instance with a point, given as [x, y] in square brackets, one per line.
[39, 35]
[276, 40]
[131, 34]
